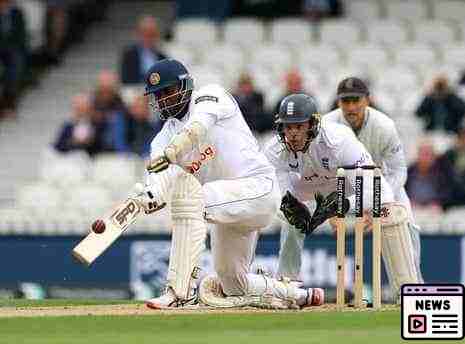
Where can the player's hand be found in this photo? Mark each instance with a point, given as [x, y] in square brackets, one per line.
[326, 207]
[144, 197]
[158, 164]
[296, 213]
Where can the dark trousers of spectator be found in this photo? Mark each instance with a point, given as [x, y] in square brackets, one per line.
[13, 63]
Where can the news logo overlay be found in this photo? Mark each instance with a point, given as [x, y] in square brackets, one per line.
[432, 311]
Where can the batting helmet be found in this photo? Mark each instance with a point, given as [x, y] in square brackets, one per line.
[169, 87]
[298, 108]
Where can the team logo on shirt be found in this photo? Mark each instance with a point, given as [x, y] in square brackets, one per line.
[207, 154]
[154, 78]
[325, 163]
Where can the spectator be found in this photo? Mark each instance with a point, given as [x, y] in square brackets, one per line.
[108, 106]
[107, 96]
[56, 26]
[424, 180]
[136, 129]
[441, 109]
[294, 84]
[250, 102]
[138, 58]
[320, 9]
[13, 53]
[452, 165]
[78, 132]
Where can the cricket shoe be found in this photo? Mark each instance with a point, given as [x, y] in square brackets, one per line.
[315, 297]
[169, 300]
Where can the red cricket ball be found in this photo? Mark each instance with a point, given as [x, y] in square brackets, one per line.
[98, 226]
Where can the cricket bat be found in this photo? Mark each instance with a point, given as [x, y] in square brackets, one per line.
[94, 244]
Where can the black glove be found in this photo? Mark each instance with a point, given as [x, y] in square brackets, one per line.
[326, 207]
[296, 213]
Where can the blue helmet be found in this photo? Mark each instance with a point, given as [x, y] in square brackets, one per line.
[169, 87]
[298, 108]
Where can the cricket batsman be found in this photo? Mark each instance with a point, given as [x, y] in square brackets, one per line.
[306, 153]
[206, 164]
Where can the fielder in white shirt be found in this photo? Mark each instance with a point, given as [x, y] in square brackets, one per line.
[207, 165]
[306, 153]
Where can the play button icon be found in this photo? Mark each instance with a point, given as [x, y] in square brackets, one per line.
[417, 323]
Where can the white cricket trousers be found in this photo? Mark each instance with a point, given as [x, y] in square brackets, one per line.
[238, 209]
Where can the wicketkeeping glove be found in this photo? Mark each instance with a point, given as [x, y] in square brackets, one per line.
[326, 207]
[296, 213]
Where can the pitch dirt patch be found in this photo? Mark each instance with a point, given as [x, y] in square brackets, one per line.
[141, 309]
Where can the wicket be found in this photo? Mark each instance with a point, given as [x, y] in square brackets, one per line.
[359, 226]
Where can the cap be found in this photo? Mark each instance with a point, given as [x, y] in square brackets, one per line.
[352, 87]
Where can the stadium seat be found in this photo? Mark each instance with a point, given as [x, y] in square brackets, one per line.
[331, 32]
[448, 10]
[11, 220]
[368, 55]
[423, 220]
[314, 78]
[295, 32]
[453, 55]
[321, 56]
[433, 31]
[224, 56]
[89, 198]
[415, 55]
[452, 221]
[193, 32]
[345, 71]
[409, 102]
[64, 169]
[272, 56]
[406, 10]
[187, 55]
[247, 32]
[263, 78]
[390, 32]
[362, 9]
[204, 75]
[116, 172]
[39, 198]
[397, 79]
[386, 102]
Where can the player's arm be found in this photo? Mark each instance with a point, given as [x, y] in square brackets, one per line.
[394, 160]
[208, 109]
[351, 152]
[291, 209]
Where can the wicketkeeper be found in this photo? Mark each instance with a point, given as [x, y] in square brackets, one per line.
[306, 153]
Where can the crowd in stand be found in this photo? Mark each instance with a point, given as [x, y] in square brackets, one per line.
[100, 120]
[65, 23]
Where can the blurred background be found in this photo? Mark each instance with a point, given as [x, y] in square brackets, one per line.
[75, 129]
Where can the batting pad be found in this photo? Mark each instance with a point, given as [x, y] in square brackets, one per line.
[188, 234]
[211, 294]
[397, 247]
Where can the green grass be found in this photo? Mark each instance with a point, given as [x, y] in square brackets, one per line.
[58, 302]
[270, 328]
